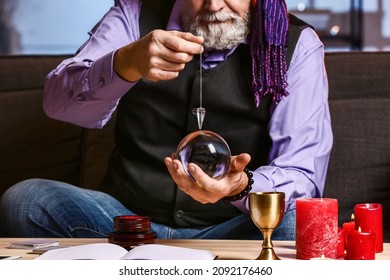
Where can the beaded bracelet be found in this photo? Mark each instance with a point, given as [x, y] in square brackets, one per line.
[245, 191]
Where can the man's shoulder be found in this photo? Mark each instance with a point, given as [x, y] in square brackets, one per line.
[296, 26]
[296, 22]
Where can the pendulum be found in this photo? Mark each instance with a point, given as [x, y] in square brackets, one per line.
[200, 112]
[205, 148]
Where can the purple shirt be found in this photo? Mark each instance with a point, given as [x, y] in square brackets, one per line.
[84, 90]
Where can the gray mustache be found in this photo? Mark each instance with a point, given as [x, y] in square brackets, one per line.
[219, 16]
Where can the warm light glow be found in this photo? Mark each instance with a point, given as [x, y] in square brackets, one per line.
[335, 30]
[301, 7]
[352, 217]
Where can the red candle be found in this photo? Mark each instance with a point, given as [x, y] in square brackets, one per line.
[341, 243]
[316, 228]
[348, 227]
[368, 217]
[360, 246]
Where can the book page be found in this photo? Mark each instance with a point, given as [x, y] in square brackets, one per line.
[108, 251]
[164, 252]
[96, 251]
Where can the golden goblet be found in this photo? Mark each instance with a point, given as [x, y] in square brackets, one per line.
[267, 211]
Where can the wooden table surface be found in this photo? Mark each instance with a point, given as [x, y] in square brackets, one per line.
[224, 249]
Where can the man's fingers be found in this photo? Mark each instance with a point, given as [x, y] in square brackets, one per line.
[239, 162]
[183, 42]
[190, 37]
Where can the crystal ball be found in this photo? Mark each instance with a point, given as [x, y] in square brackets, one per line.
[206, 149]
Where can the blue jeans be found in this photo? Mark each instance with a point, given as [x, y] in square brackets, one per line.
[45, 208]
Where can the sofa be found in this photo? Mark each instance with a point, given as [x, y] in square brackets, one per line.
[35, 146]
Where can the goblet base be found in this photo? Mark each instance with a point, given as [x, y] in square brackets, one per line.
[268, 254]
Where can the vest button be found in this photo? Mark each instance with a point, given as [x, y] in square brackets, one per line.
[179, 213]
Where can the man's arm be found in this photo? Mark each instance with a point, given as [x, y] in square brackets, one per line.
[300, 129]
[84, 89]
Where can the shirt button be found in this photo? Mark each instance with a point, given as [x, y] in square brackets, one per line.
[179, 213]
[70, 93]
[101, 81]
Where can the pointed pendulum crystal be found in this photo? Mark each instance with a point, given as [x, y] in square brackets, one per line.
[199, 113]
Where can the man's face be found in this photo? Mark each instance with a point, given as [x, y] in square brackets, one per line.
[222, 23]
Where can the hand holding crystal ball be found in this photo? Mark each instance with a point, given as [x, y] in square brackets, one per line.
[206, 149]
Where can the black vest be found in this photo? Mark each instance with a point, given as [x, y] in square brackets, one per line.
[154, 117]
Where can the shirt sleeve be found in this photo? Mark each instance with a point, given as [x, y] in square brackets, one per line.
[84, 90]
[300, 129]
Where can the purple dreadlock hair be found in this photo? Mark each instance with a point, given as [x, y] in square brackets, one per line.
[268, 49]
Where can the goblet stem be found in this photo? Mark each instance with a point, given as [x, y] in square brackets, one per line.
[267, 252]
[267, 243]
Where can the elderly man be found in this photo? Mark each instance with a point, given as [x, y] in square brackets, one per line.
[265, 90]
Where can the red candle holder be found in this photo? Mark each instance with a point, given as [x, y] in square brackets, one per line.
[368, 217]
[131, 230]
[133, 223]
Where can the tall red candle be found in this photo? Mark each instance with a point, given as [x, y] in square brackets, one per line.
[316, 228]
[368, 217]
[360, 246]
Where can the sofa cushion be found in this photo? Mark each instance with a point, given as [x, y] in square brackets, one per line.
[359, 169]
[355, 75]
[32, 145]
[96, 148]
[359, 100]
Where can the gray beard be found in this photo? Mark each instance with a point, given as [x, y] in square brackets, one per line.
[230, 31]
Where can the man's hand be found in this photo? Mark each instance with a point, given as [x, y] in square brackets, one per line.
[160, 55]
[205, 189]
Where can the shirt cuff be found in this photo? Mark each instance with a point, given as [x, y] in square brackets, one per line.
[104, 82]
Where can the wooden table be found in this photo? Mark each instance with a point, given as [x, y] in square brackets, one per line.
[224, 249]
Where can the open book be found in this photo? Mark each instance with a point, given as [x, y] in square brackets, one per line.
[109, 251]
